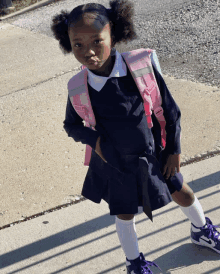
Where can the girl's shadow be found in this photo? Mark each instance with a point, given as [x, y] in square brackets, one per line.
[184, 256]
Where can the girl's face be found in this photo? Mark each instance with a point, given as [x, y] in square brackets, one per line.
[91, 44]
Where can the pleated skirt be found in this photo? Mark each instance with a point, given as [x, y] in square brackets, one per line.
[124, 194]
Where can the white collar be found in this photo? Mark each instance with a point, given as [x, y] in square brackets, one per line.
[119, 70]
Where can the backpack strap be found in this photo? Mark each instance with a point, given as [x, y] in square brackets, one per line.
[157, 108]
[79, 97]
[139, 63]
[154, 60]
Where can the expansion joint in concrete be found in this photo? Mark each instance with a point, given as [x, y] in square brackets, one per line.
[41, 82]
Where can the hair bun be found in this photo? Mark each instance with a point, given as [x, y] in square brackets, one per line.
[120, 15]
[59, 29]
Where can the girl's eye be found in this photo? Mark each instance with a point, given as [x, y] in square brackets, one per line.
[77, 45]
[98, 41]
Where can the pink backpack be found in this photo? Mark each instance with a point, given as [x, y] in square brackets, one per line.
[139, 63]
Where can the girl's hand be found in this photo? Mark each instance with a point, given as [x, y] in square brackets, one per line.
[98, 149]
[173, 162]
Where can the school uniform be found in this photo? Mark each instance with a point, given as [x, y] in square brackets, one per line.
[133, 152]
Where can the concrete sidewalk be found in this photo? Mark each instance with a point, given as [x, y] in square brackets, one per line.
[42, 168]
[82, 238]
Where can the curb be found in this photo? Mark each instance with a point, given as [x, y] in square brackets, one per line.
[32, 7]
[79, 198]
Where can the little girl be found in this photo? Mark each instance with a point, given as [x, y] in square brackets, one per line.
[127, 155]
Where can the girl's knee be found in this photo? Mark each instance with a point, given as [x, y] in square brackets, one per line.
[184, 197]
[125, 217]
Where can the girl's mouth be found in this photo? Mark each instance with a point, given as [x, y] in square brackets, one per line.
[92, 62]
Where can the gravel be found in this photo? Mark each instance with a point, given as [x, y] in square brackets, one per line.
[186, 35]
[187, 40]
[193, 42]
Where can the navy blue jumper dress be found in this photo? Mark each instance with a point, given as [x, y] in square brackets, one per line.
[125, 138]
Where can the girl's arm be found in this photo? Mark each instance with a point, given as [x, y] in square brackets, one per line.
[73, 125]
[172, 116]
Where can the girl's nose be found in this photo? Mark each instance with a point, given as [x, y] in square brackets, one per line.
[89, 52]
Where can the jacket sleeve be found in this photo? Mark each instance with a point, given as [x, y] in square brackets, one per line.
[74, 127]
[172, 116]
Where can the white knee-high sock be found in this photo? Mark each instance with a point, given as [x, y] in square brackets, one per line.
[128, 238]
[195, 213]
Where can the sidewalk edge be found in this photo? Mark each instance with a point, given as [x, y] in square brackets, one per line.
[32, 7]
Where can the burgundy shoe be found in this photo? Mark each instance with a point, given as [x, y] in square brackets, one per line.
[140, 266]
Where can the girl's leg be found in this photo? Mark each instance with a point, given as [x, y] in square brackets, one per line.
[190, 205]
[185, 197]
[135, 261]
[125, 217]
[125, 227]
[203, 232]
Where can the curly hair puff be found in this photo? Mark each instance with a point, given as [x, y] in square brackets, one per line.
[119, 16]
[60, 31]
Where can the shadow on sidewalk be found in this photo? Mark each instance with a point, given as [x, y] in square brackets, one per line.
[182, 256]
[186, 255]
